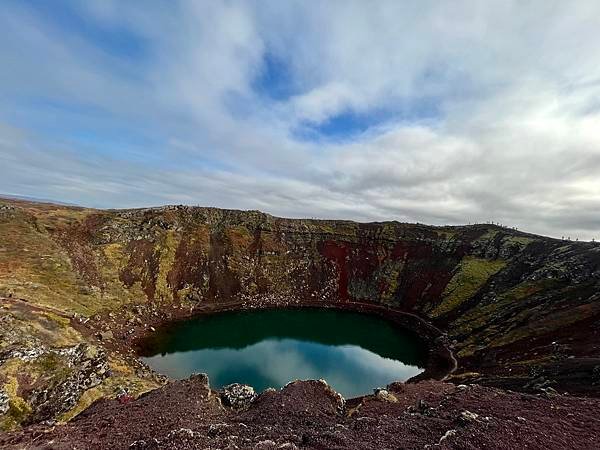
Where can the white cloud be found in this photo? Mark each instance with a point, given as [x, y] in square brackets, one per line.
[512, 134]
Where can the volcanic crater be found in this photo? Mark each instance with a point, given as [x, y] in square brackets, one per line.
[511, 321]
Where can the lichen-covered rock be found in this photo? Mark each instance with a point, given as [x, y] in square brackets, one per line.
[85, 367]
[238, 395]
[4, 402]
[385, 396]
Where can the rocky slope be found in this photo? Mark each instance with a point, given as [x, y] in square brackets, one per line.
[78, 286]
[308, 414]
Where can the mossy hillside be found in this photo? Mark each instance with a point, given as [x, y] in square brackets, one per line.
[522, 314]
[36, 268]
[166, 249]
[18, 409]
[123, 379]
[472, 274]
[112, 259]
[487, 311]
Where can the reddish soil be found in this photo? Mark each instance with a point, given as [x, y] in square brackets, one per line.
[187, 414]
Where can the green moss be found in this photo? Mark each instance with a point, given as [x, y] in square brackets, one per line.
[473, 273]
[167, 251]
[18, 411]
[48, 362]
[528, 288]
[446, 234]
[519, 240]
[390, 272]
[18, 408]
[108, 388]
[488, 236]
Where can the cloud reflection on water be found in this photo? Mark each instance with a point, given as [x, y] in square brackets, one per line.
[350, 369]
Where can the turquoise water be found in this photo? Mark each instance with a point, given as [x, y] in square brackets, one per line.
[353, 352]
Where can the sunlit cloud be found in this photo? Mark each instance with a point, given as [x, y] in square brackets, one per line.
[413, 111]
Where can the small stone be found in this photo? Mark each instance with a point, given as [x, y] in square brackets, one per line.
[141, 444]
[266, 445]
[549, 391]
[182, 433]
[447, 435]
[385, 396]
[217, 428]
[468, 416]
[106, 335]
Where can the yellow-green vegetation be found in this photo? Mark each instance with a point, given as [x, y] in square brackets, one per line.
[24, 325]
[445, 233]
[472, 274]
[461, 377]
[36, 268]
[547, 324]
[18, 407]
[488, 235]
[481, 316]
[167, 250]
[112, 260]
[528, 288]
[31, 328]
[123, 377]
[522, 240]
[391, 273]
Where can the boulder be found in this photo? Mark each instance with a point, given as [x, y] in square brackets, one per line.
[238, 395]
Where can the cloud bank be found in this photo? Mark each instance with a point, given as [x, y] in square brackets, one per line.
[412, 111]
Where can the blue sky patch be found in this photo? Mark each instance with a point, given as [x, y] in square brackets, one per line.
[67, 17]
[275, 79]
[350, 124]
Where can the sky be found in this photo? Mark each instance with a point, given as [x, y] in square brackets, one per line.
[418, 111]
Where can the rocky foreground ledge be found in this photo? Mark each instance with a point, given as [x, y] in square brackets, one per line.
[310, 414]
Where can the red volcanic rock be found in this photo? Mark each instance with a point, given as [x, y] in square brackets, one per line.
[309, 414]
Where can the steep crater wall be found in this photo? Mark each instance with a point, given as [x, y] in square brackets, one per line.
[518, 310]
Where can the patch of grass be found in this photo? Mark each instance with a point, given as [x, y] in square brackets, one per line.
[445, 234]
[523, 240]
[19, 409]
[488, 235]
[109, 387]
[167, 250]
[49, 362]
[28, 327]
[473, 273]
[528, 288]
[390, 273]
[239, 237]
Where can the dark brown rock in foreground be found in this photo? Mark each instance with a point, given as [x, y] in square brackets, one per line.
[309, 414]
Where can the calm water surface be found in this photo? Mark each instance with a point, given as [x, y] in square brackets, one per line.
[353, 352]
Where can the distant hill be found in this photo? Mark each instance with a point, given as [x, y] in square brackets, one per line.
[35, 199]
